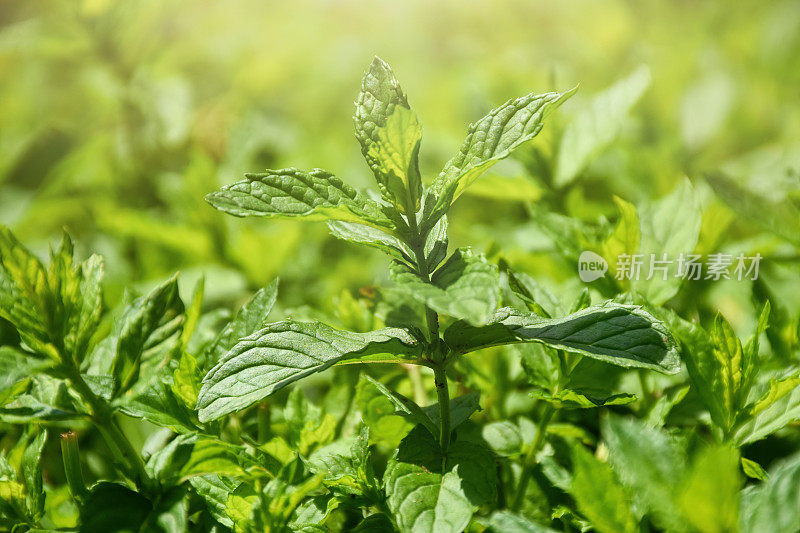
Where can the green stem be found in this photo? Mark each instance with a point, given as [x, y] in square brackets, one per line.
[102, 417]
[530, 458]
[71, 457]
[443, 395]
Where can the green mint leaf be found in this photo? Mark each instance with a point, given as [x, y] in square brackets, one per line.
[427, 493]
[16, 368]
[709, 494]
[191, 455]
[733, 370]
[489, 140]
[214, 491]
[148, 332]
[284, 352]
[780, 217]
[597, 125]
[773, 505]
[753, 470]
[508, 522]
[32, 472]
[599, 494]
[623, 335]
[461, 408]
[778, 414]
[313, 195]
[56, 309]
[669, 226]
[250, 318]
[648, 462]
[574, 399]
[390, 134]
[406, 407]
[464, 287]
[372, 237]
[504, 438]
[159, 405]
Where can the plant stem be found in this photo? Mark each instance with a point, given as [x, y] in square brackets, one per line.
[530, 458]
[443, 395]
[102, 417]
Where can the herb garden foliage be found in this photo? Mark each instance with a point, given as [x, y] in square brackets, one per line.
[218, 465]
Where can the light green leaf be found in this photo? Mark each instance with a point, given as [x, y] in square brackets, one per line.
[406, 407]
[599, 494]
[731, 367]
[669, 226]
[390, 134]
[709, 496]
[461, 408]
[372, 237]
[575, 399]
[147, 332]
[623, 335]
[508, 522]
[596, 126]
[159, 404]
[15, 369]
[465, 287]
[314, 195]
[778, 388]
[424, 496]
[503, 437]
[773, 505]
[32, 472]
[626, 236]
[648, 462]
[489, 140]
[779, 217]
[250, 318]
[191, 455]
[774, 417]
[753, 470]
[214, 490]
[284, 352]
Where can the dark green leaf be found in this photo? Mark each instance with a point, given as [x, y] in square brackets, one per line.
[622, 335]
[284, 352]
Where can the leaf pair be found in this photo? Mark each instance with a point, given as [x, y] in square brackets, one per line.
[390, 134]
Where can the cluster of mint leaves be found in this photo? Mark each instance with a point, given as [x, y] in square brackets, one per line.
[77, 365]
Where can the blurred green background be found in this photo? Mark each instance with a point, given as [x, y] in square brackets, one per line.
[117, 117]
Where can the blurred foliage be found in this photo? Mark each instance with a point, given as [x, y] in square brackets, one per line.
[116, 118]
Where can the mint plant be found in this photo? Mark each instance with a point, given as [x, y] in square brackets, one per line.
[434, 481]
[226, 446]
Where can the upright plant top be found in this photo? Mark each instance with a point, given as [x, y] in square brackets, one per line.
[409, 223]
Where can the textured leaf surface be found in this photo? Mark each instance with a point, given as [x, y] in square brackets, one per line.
[372, 237]
[424, 496]
[623, 335]
[284, 352]
[251, 317]
[489, 140]
[465, 287]
[389, 133]
[289, 192]
[507, 522]
[599, 494]
[773, 505]
[647, 461]
[597, 125]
